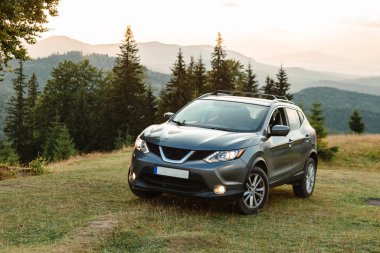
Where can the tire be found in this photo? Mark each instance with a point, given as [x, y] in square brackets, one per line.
[256, 192]
[305, 187]
[141, 193]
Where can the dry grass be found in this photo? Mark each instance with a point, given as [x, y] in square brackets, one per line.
[85, 206]
[356, 152]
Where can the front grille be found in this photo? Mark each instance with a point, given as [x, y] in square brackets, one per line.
[200, 155]
[153, 148]
[178, 153]
[175, 153]
[195, 184]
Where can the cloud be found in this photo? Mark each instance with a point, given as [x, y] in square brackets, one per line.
[366, 22]
[374, 23]
[230, 4]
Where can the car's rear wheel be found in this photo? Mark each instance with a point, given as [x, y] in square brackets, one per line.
[256, 192]
[305, 187]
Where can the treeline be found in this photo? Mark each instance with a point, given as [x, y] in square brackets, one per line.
[83, 108]
[188, 81]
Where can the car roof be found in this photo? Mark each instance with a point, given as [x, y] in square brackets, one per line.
[249, 100]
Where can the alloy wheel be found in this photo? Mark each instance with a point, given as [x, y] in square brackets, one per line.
[255, 192]
[310, 178]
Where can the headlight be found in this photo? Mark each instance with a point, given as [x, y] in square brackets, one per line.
[221, 156]
[140, 145]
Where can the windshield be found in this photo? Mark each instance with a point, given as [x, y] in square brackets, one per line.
[223, 115]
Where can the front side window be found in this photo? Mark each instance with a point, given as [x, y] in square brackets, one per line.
[278, 118]
[223, 115]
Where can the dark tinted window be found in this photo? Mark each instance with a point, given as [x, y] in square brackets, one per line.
[294, 120]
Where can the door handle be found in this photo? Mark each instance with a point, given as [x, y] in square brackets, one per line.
[307, 138]
[290, 142]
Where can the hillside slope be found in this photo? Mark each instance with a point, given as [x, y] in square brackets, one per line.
[338, 106]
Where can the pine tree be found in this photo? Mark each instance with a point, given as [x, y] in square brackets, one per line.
[151, 110]
[218, 76]
[200, 78]
[64, 147]
[234, 73]
[32, 91]
[15, 122]
[176, 94]
[356, 124]
[269, 87]
[190, 76]
[49, 145]
[317, 120]
[282, 86]
[8, 155]
[59, 145]
[31, 149]
[127, 95]
[250, 84]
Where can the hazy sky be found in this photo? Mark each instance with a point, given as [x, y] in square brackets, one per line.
[259, 29]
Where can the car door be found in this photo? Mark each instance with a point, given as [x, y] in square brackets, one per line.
[296, 140]
[278, 160]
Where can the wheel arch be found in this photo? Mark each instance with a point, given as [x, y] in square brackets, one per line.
[260, 162]
[314, 156]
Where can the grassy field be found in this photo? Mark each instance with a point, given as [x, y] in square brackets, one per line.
[85, 205]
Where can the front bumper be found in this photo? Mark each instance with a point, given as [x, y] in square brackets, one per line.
[203, 177]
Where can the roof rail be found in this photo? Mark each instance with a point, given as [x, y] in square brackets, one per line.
[249, 94]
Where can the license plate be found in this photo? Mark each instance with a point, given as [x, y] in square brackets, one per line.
[163, 171]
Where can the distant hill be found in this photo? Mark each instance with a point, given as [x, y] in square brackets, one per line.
[160, 57]
[338, 106]
[325, 62]
[369, 81]
[355, 85]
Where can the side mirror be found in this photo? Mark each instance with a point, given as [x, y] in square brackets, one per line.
[280, 130]
[168, 115]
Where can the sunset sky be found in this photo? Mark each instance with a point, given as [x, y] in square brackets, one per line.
[260, 29]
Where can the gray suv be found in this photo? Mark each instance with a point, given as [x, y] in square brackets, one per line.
[227, 145]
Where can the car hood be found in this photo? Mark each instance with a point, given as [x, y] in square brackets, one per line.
[196, 138]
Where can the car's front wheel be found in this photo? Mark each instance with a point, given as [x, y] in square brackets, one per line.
[256, 192]
[305, 187]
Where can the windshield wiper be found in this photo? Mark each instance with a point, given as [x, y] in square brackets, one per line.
[220, 128]
[179, 123]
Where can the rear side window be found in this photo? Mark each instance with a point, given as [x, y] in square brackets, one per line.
[302, 117]
[294, 119]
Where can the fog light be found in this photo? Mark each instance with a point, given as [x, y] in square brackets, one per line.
[219, 189]
[132, 177]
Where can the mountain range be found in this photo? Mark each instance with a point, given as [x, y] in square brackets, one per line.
[159, 57]
[325, 62]
[338, 105]
[307, 85]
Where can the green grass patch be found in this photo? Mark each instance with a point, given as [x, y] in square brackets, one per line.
[85, 205]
